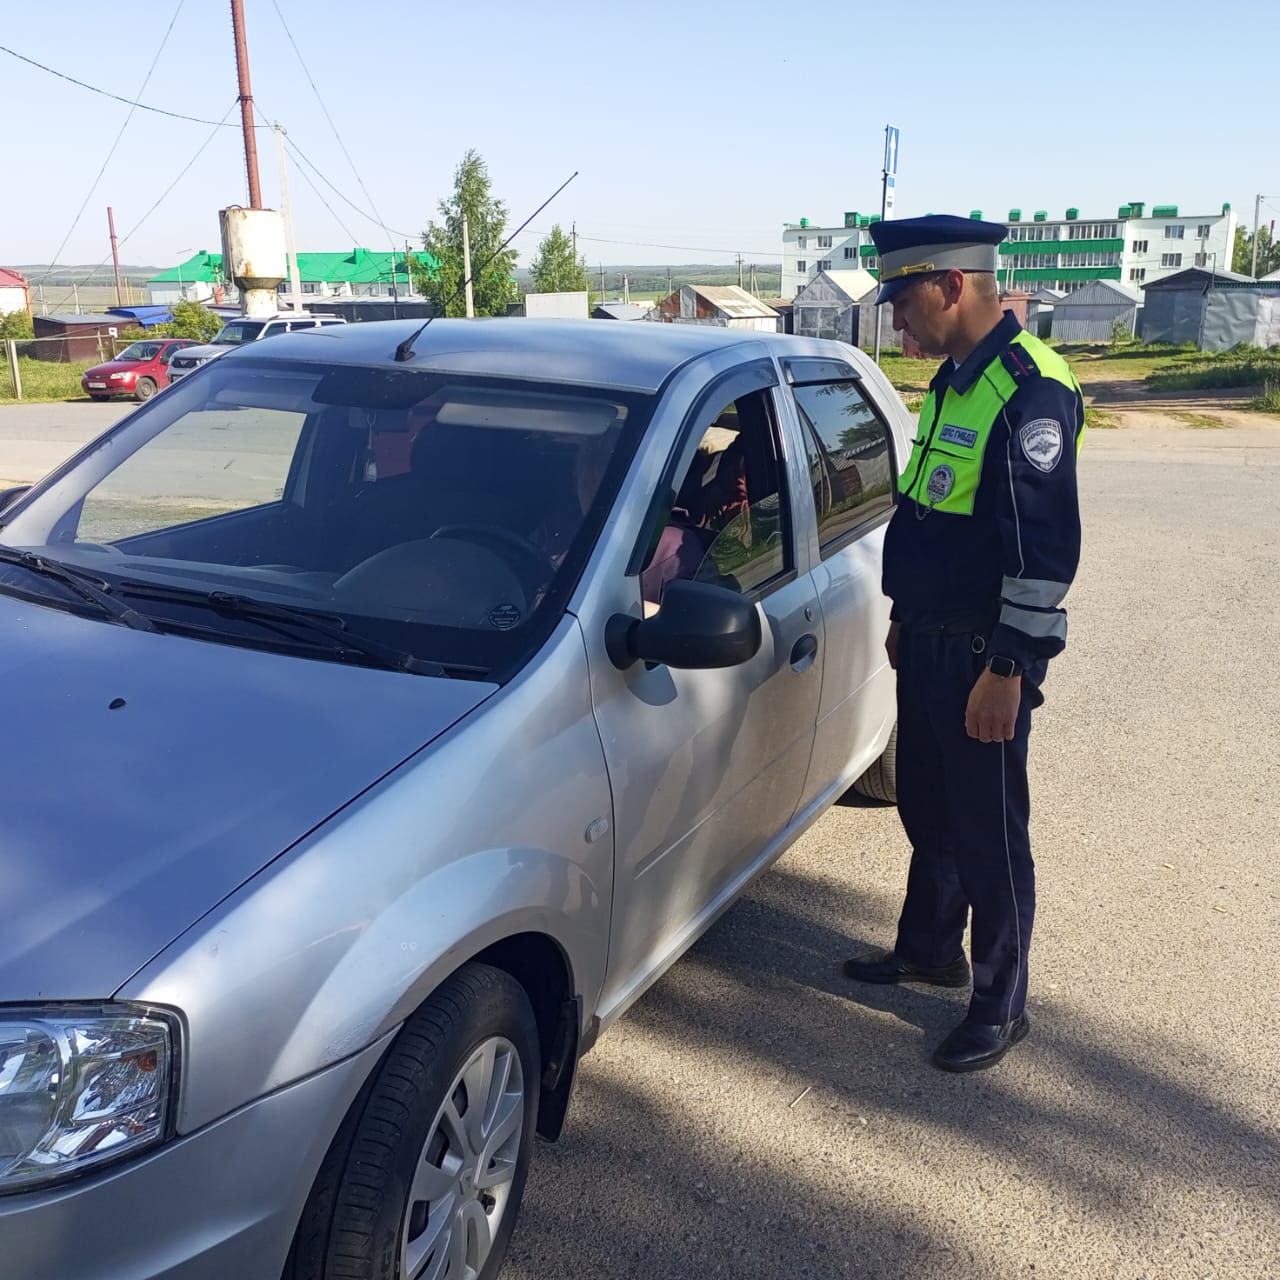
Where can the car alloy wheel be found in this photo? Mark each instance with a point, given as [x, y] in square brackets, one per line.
[462, 1184]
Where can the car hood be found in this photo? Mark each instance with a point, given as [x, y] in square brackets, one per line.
[207, 350]
[116, 366]
[145, 776]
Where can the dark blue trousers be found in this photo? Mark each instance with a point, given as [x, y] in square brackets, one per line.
[965, 807]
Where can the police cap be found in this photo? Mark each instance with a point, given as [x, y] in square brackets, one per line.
[911, 247]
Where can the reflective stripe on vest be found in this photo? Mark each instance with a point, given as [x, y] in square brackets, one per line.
[945, 467]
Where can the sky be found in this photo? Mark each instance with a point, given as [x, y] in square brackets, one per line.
[696, 129]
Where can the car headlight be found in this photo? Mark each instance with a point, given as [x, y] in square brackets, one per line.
[79, 1087]
[115, 377]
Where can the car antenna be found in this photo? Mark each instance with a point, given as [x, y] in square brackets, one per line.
[404, 351]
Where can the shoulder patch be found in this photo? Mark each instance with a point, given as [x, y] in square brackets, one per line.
[1041, 442]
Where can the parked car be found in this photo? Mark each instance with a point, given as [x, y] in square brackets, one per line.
[235, 333]
[139, 371]
[381, 730]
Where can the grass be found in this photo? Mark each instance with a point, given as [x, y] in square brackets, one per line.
[1198, 421]
[43, 380]
[1242, 367]
[1269, 400]
[1100, 419]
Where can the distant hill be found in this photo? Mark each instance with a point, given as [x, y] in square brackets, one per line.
[645, 278]
[64, 274]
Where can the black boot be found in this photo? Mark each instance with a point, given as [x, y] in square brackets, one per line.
[887, 967]
[974, 1046]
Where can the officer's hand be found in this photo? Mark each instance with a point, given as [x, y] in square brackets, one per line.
[992, 712]
[891, 643]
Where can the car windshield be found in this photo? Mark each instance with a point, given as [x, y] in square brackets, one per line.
[140, 351]
[447, 516]
[238, 331]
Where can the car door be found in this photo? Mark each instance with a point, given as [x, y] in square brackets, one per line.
[707, 767]
[850, 449]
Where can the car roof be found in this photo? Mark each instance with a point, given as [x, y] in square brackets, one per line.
[639, 356]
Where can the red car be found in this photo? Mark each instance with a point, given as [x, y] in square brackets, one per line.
[139, 371]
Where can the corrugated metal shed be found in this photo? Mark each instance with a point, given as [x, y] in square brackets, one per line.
[1215, 310]
[736, 303]
[1091, 313]
[726, 306]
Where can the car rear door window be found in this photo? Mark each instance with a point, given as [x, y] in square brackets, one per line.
[851, 464]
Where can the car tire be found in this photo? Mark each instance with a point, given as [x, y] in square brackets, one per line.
[145, 388]
[880, 782]
[406, 1134]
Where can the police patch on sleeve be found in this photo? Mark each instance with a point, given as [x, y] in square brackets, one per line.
[1041, 441]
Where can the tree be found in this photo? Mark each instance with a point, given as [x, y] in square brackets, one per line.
[191, 320]
[492, 284]
[555, 269]
[16, 324]
[1268, 252]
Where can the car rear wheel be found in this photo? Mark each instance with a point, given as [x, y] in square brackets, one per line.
[145, 388]
[425, 1178]
[880, 782]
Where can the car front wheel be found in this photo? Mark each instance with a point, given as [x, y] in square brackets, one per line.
[424, 1180]
[145, 388]
[880, 782]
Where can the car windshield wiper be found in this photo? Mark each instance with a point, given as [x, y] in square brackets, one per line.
[326, 625]
[85, 585]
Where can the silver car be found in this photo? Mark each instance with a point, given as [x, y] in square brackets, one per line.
[386, 713]
[236, 333]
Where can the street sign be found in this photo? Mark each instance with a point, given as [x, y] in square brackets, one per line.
[890, 151]
[889, 183]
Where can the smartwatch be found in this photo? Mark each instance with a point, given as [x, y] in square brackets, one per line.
[1003, 667]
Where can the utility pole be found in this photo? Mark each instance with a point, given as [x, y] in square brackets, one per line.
[115, 255]
[668, 281]
[602, 282]
[574, 233]
[1257, 218]
[739, 271]
[466, 265]
[286, 212]
[408, 271]
[889, 181]
[246, 105]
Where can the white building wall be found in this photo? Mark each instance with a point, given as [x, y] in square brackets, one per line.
[1151, 244]
[12, 300]
[806, 245]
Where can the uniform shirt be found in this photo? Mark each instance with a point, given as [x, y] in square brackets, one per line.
[1013, 559]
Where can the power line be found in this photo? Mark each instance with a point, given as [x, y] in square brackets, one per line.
[310, 80]
[182, 173]
[688, 248]
[93, 186]
[306, 177]
[364, 213]
[141, 106]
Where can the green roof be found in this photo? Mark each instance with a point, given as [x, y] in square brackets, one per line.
[359, 266]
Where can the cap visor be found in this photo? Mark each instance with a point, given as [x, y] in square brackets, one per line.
[890, 289]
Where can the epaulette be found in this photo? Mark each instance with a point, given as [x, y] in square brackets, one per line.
[1018, 364]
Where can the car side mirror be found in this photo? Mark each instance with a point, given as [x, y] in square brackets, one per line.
[698, 627]
[9, 496]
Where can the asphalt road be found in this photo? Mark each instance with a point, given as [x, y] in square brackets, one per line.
[755, 1115]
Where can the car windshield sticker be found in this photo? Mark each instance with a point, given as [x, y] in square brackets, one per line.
[504, 616]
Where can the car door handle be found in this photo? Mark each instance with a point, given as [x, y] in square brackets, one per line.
[804, 651]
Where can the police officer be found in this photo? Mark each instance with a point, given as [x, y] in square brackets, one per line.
[977, 559]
